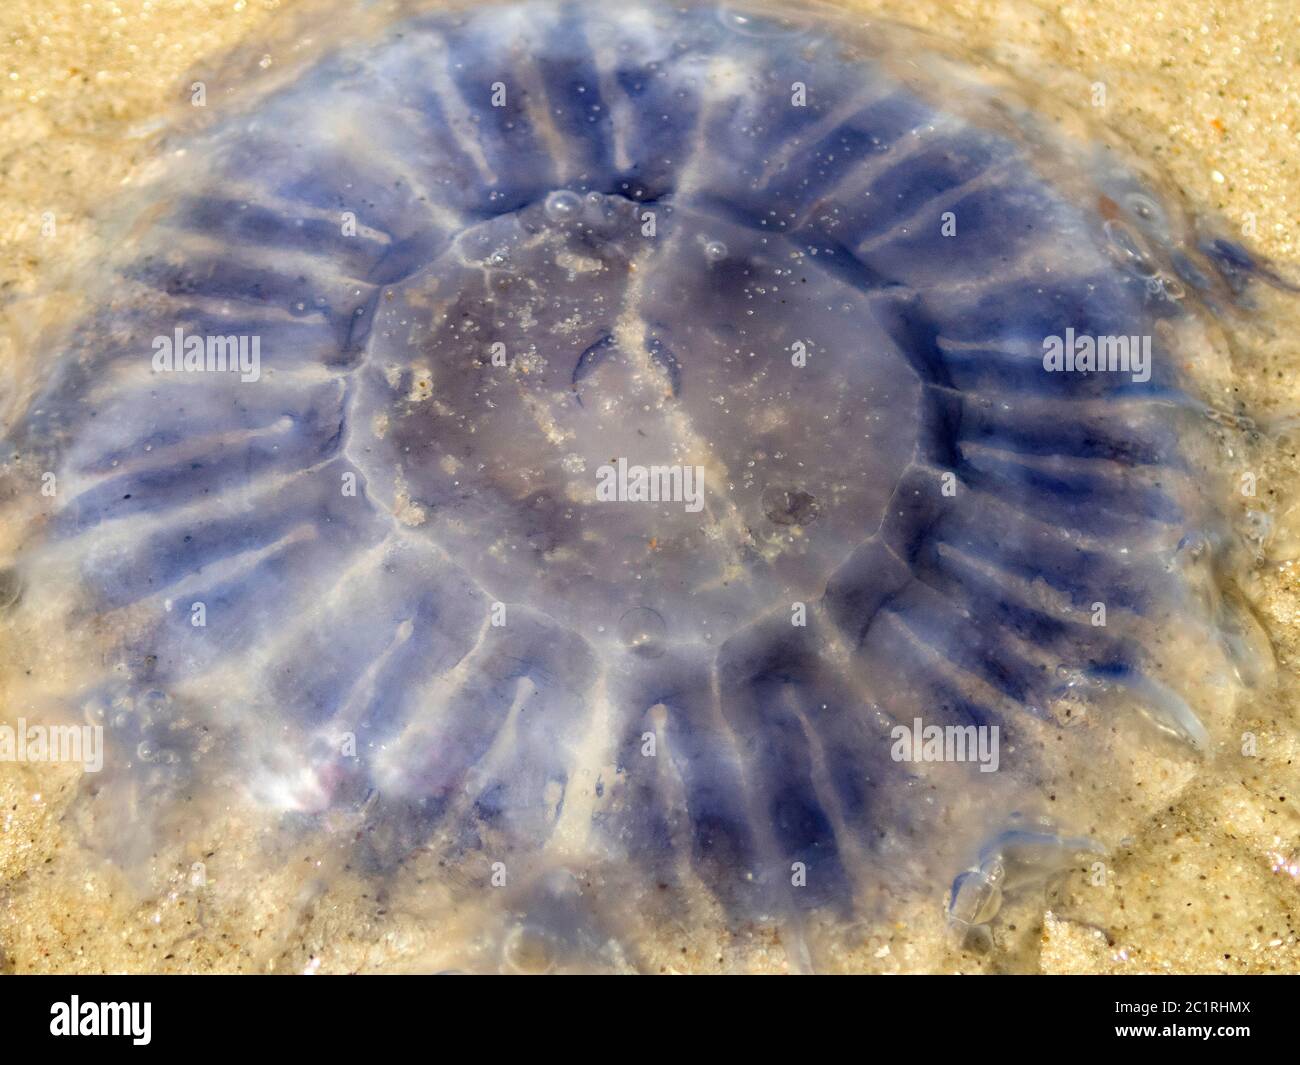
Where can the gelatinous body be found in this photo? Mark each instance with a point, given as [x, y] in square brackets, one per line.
[611, 437]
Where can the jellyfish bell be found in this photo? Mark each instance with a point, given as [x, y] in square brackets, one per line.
[374, 591]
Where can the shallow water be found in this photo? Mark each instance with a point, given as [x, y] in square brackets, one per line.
[1116, 789]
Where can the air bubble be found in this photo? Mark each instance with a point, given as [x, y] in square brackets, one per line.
[1145, 208]
[766, 27]
[527, 951]
[562, 206]
[642, 632]
[1130, 249]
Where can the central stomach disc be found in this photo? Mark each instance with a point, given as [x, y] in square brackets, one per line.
[595, 405]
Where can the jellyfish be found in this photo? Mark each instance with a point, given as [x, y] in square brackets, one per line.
[639, 475]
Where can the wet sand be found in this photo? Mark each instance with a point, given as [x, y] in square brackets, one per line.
[1208, 91]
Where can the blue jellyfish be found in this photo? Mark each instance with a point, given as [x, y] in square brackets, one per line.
[689, 467]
